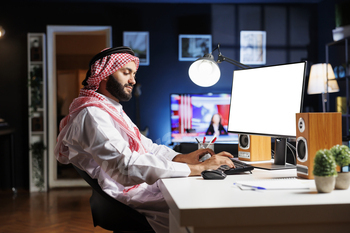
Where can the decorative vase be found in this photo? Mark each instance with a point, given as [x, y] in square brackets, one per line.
[325, 184]
[343, 180]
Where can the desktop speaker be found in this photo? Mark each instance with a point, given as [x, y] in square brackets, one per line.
[315, 131]
[254, 148]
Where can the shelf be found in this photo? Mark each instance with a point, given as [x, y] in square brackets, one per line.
[338, 42]
[337, 54]
[38, 132]
[37, 119]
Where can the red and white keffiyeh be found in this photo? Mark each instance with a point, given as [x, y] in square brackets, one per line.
[106, 66]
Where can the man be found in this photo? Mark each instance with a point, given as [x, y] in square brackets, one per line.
[99, 138]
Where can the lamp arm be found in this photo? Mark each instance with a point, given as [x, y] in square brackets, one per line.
[222, 58]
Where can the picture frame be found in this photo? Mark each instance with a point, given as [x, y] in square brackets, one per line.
[192, 47]
[253, 47]
[139, 43]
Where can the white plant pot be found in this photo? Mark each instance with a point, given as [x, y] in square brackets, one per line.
[325, 184]
[343, 180]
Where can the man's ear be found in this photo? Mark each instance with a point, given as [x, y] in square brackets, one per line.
[102, 86]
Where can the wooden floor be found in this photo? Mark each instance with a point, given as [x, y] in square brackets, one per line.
[62, 210]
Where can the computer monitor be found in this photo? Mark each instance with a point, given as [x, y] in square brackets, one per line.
[265, 100]
[191, 115]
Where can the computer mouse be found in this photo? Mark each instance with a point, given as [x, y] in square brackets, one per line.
[213, 174]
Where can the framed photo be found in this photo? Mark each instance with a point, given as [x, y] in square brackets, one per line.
[139, 42]
[253, 47]
[192, 47]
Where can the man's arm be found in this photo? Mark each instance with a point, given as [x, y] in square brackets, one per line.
[94, 137]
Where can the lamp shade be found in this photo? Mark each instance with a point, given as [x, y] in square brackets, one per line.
[318, 79]
[2, 31]
[204, 72]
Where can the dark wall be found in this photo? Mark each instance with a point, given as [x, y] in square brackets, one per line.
[165, 74]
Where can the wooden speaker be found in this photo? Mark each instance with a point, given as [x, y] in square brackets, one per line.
[254, 148]
[315, 131]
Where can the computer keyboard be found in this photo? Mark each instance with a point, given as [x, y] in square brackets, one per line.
[239, 167]
[225, 170]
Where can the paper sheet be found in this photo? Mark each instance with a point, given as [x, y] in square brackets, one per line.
[273, 184]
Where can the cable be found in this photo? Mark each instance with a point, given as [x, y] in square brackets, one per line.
[290, 146]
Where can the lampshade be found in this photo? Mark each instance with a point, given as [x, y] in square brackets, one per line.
[204, 72]
[2, 31]
[318, 79]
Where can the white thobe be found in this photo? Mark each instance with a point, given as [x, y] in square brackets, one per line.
[98, 146]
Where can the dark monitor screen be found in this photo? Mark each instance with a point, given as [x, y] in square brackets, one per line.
[265, 100]
[191, 116]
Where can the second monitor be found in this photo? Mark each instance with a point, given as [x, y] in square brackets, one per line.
[265, 100]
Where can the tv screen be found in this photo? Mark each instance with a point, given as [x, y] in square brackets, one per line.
[192, 114]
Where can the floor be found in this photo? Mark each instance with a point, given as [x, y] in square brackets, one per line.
[59, 210]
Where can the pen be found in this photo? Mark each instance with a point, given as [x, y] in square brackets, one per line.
[204, 140]
[212, 141]
[200, 144]
[250, 186]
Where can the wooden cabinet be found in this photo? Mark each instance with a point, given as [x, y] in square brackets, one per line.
[37, 124]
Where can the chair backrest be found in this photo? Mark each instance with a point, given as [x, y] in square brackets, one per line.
[111, 214]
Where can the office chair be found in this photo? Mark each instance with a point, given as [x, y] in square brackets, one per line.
[111, 214]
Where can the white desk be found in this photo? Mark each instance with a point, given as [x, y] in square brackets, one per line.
[202, 206]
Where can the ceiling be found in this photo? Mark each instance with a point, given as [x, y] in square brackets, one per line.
[193, 1]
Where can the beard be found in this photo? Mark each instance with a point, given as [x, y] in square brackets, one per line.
[117, 89]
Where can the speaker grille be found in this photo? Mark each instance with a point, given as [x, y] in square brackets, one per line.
[244, 141]
[302, 152]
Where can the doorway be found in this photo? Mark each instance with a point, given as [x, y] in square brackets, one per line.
[69, 50]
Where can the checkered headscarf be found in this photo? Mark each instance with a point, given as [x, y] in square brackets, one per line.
[106, 66]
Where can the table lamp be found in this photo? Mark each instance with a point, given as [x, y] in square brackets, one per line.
[205, 72]
[321, 83]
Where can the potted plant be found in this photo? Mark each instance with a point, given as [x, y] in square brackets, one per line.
[324, 171]
[341, 154]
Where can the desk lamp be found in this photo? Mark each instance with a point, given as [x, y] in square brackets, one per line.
[321, 83]
[205, 72]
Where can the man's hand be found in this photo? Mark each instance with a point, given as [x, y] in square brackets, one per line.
[193, 157]
[215, 161]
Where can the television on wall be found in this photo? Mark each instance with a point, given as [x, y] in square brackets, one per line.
[191, 116]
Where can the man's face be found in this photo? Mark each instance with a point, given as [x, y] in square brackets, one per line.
[121, 82]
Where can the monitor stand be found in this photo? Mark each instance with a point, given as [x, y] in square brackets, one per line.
[272, 166]
[279, 158]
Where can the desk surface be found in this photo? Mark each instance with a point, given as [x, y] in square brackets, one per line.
[194, 201]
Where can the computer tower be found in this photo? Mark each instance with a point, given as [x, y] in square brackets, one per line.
[315, 131]
[254, 148]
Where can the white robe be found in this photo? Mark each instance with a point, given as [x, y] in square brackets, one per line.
[98, 146]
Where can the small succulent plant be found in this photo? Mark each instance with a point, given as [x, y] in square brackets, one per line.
[324, 164]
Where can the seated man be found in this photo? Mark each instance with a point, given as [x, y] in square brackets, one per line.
[99, 138]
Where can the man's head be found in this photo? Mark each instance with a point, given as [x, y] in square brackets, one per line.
[118, 67]
[120, 83]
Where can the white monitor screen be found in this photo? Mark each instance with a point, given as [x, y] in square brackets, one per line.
[265, 100]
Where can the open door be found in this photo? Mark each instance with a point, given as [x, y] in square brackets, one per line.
[69, 50]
